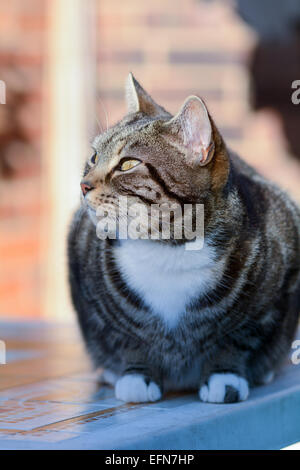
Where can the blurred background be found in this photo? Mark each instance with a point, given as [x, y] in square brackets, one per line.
[64, 64]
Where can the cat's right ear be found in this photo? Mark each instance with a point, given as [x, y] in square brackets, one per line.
[192, 129]
[139, 101]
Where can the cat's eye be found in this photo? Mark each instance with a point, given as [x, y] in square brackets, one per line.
[128, 164]
[94, 158]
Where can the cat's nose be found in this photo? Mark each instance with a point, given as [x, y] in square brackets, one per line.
[86, 187]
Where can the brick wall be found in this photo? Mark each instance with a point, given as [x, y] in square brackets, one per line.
[22, 29]
[175, 48]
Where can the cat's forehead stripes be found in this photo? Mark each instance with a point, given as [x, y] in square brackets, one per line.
[111, 143]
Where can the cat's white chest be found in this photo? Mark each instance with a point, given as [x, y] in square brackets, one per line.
[167, 278]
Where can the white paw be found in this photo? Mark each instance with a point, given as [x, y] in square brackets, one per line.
[133, 388]
[224, 388]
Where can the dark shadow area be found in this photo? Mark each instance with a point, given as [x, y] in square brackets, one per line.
[275, 61]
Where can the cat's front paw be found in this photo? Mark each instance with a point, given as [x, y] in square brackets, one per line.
[224, 388]
[136, 389]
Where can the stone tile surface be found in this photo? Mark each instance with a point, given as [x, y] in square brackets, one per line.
[51, 399]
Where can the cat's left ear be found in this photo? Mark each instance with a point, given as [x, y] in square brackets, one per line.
[191, 127]
[139, 101]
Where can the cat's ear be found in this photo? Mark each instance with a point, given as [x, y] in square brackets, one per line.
[192, 128]
[139, 101]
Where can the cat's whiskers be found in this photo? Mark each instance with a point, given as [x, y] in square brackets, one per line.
[105, 112]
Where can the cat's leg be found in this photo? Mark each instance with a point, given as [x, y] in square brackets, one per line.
[137, 385]
[267, 378]
[109, 377]
[224, 380]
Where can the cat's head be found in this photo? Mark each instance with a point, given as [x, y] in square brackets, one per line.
[153, 158]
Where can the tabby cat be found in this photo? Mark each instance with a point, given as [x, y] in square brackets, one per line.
[156, 316]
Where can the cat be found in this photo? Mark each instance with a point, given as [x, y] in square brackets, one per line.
[156, 316]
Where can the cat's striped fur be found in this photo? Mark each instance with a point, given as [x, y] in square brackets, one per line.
[156, 316]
